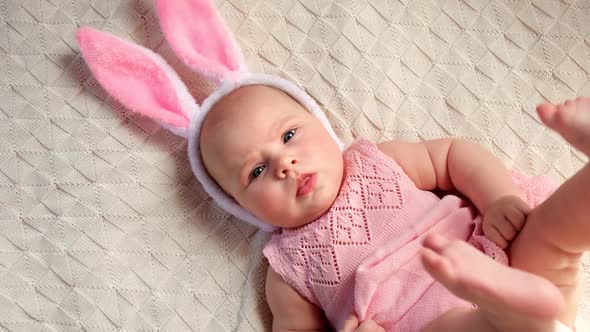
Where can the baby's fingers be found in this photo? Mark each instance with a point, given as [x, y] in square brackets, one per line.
[524, 207]
[494, 235]
[516, 217]
[507, 230]
[369, 326]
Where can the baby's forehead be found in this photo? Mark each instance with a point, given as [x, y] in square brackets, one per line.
[248, 110]
[250, 103]
[251, 95]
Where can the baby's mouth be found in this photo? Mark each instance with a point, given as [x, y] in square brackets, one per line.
[306, 183]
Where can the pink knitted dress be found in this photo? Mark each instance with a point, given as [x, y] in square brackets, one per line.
[362, 255]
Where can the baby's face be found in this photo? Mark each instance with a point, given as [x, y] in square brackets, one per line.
[272, 156]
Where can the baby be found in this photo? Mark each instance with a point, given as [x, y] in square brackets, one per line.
[280, 163]
[360, 238]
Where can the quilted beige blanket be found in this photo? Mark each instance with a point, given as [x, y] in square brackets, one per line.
[102, 226]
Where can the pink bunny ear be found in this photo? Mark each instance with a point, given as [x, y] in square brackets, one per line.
[137, 77]
[200, 38]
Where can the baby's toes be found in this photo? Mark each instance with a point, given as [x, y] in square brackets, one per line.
[436, 243]
[440, 267]
[566, 114]
[558, 117]
[547, 113]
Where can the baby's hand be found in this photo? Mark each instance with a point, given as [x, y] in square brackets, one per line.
[504, 219]
[352, 325]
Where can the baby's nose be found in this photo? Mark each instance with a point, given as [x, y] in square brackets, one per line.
[285, 166]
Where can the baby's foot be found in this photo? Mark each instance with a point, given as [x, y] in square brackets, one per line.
[504, 292]
[571, 120]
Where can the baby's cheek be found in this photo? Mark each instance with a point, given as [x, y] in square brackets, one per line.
[268, 205]
[271, 203]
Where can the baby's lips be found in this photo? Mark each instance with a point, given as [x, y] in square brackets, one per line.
[305, 183]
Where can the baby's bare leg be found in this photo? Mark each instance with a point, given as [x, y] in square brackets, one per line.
[554, 237]
[550, 245]
[507, 299]
[556, 232]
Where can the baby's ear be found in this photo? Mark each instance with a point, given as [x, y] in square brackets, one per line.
[138, 78]
[200, 38]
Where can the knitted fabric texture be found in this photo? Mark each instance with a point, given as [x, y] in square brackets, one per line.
[362, 255]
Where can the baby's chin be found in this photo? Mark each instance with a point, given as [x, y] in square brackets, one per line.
[290, 221]
[306, 216]
[317, 205]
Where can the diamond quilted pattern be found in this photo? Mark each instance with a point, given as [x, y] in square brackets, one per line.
[102, 226]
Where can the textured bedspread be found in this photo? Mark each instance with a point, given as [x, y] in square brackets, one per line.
[102, 226]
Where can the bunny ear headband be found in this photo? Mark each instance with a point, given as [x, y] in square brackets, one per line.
[143, 81]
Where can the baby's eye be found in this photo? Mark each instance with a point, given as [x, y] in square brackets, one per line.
[288, 135]
[256, 172]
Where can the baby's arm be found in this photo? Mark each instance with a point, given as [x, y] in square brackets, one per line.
[450, 164]
[291, 311]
